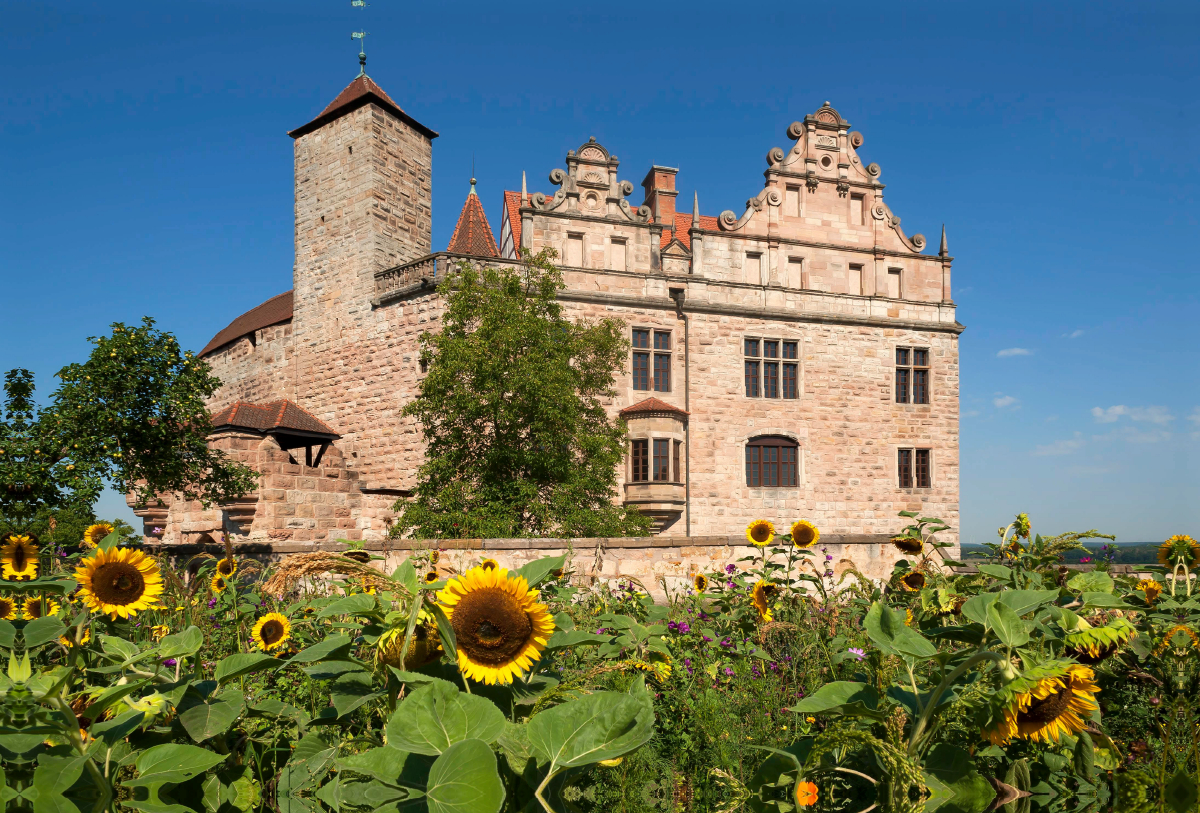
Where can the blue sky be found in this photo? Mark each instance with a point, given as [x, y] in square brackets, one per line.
[146, 170]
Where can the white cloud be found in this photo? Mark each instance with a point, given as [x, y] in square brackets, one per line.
[971, 413]
[1157, 415]
[1013, 351]
[1001, 401]
[1061, 447]
[1074, 334]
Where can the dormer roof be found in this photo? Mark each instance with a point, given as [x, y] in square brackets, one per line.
[651, 407]
[277, 416]
[362, 91]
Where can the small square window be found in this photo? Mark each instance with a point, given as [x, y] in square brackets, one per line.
[751, 347]
[789, 350]
[641, 338]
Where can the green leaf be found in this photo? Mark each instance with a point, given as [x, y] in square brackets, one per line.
[1026, 601]
[356, 604]
[845, 696]
[1107, 600]
[244, 663]
[599, 726]
[563, 639]
[406, 574]
[1007, 625]
[111, 731]
[965, 789]
[53, 777]
[887, 629]
[976, 607]
[1094, 581]
[445, 633]
[350, 691]
[997, 572]
[43, 630]
[181, 644]
[535, 572]
[173, 763]
[437, 715]
[203, 718]
[110, 696]
[1084, 756]
[8, 634]
[331, 648]
[465, 779]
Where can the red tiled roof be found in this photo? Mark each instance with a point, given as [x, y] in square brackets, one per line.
[265, 418]
[360, 92]
[650, 405]
[683, 222]
[472, 233]
[275, 310]
[512, 204]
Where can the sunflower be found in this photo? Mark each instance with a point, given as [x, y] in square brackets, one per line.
[423, 649]
[1177, 638]
[8, 609]
[226, 567]
[434, 556]
[806, 794]
[119, 582]
[218, 583]
[1151, 588]
[19, 555]
[489, 564]
[431, 577]
[762, 596]
[805, 534]
[659, 670]
[700, 582]
[369, 589]
[1180, 546]
[68, 640]
[912, 581]
[357, 555]
[908, 617]
[1046, 703]
[271, 631]
[95, 534]
[501, 627]
[33, 608]
[910, 545]
[159, 631]
[1022, 526]
[760, 533]
[1093, 644]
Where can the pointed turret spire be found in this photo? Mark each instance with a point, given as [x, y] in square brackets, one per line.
[695, 210]
[473, 234]
[944, 251]
[524, 190]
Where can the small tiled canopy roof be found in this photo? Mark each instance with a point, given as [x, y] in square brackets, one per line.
[277, 416]
[275, 310]
[362, 91]
[512, 204]
[648, 407]
[472, 233]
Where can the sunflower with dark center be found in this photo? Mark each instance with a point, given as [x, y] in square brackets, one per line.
[423, 648]
[119, 582]
[8, 609]
[500, 626]
[95, 534]
[1179, 548]
[271, 631]
[805, 534]
[431, 577]
[912, 581]
[1046, 703]
[700, 582]
[760, 533]
[489, 564]
[1151, 589]
[19, 557]
[35, 609]
[763, 596]
[226, 567]
[908, 544]
[218, 584]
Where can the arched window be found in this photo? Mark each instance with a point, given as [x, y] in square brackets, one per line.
[772, 462]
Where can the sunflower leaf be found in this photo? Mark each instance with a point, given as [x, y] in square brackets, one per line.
[43, 630]
[465, 779]
[535, 572]
[181, 644]
[976, 607]
[1007, 625]
[563, 639]
[436, 716]
[1026, 601]
[356, 604]
[1092, 581]
[844, 696]
[243, 663]
[329, 649]
[599, 726]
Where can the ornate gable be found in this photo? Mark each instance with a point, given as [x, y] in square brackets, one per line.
[589, 187]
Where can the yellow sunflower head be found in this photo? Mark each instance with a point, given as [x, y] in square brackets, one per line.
[8, 609]
[700, 582]
[423, 648]
[1180, 547]
[226, 567]
[805, 534]
[159, 631]
[1093, 644]
[489, 564]
[431, 577]
[19, 557]
[912, 581]
[1022, 526]
[1046, 703]
[908, 616]
[34, 608]
[910, 545]
[1151, 588]
[806, 794]
[119, 582]
[271, 631]
[500, 626]
[218, 584]
[657, 669]
[68, 640]
[760, 533]
[95, 534]
[763, 596]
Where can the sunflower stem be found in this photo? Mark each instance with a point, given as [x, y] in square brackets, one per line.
[919, 729]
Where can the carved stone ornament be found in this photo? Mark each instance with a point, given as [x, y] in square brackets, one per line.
[728, 220]
[626, 188]
[879, 212]
[592, 177]
[812, 181]
[918, 240]
[827, 142]
[774, 198]
[895, 222]
[873, 170]
[843, 187]
[795, 130]
[856, 139]
[774, 156]
[754, 203]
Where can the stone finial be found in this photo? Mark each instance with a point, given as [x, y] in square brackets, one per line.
[695, 210]
[944, 251]
[524, 190]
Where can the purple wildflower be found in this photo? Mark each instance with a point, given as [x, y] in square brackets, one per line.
[707, 640]
[728, 671]
[857, 653]
[170, 662]
[730, 568]
[684, 627]
[687, 661]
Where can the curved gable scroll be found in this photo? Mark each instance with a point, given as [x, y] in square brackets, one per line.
[589, 187]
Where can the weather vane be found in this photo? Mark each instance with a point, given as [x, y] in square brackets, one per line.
[361, 36]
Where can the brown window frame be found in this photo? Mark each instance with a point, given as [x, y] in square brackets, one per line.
[914, 382]
[914, 468]
[772, 461]
[772, 367]
[676, 464]
[660, 460]
[650, 367]
[639, 458]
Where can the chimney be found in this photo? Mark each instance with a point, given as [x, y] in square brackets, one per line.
[660, 195]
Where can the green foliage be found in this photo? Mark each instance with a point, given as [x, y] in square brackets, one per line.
[518, 441]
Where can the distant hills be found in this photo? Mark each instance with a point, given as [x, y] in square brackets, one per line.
[1127, 553]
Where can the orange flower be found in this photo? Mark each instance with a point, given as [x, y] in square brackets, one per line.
[806, 794]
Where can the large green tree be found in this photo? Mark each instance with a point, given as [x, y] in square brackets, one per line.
[512, 412]
[132, 415]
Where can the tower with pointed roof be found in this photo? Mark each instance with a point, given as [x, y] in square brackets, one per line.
[472, 234]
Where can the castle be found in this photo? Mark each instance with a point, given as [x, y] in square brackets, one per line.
[797, 357]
